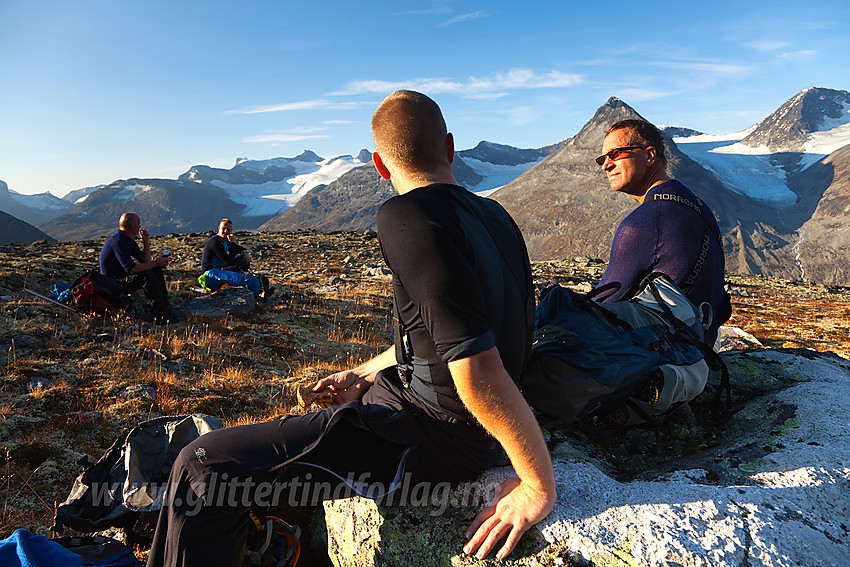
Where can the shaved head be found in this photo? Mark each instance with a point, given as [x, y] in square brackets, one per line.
[410, 132]
[129, 221]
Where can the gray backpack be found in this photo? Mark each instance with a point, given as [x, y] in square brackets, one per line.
[633, 360]
[129, 478]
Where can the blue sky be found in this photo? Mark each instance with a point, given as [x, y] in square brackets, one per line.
[94, 91]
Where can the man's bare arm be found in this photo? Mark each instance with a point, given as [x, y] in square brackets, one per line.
[492, 397]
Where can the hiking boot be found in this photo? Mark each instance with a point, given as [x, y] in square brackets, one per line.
[265, 294]
[274, 543]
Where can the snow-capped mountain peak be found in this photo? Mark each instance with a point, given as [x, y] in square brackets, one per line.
[756, 162]
[791, 126]
[268, 187]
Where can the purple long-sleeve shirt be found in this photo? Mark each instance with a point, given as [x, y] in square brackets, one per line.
[667, 236]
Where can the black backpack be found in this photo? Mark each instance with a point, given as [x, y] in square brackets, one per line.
[636, 359]
[129, 478]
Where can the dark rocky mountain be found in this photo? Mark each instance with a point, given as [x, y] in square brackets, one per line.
[789, 126]
[565, 206]
[250, 172]
[679, 132]
[16, 231]
[31, 208]
[464, 174]
[165, 206]
[349, 203]
[238, 175]
[503, 155]
[822, 248]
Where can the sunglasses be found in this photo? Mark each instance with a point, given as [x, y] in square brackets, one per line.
[617, 153]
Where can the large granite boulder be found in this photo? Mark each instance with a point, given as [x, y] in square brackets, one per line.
[770, 487]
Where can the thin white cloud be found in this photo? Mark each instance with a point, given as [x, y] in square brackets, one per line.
[720, 69]
[464, 18]
[805, 53]
[766, 45]
[337, 121]
[307, 129]
[273, 138]
[432, 11]
[487, 87]
[301, 105]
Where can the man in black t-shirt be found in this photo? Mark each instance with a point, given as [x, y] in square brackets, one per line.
[439, 406]
[221, 251]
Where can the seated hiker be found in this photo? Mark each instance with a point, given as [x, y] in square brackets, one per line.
[463, 300]
[672, 230]
[222, 252]
[123, 260]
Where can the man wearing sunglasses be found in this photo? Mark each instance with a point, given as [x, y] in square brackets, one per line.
[672, 230]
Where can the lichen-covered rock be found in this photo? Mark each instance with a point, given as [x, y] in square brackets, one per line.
[225, 301]
[772, 489]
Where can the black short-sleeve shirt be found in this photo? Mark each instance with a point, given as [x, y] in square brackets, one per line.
[461, 283]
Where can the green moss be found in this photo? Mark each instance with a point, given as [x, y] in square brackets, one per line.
[797, 377]
[755, 466]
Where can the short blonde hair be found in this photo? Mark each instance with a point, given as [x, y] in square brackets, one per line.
[410, 132]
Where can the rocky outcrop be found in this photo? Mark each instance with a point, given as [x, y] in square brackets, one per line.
[772, 487]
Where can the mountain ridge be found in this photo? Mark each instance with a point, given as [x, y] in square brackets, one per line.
[763, 198]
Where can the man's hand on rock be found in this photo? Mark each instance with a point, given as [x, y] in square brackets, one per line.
[517, 507]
